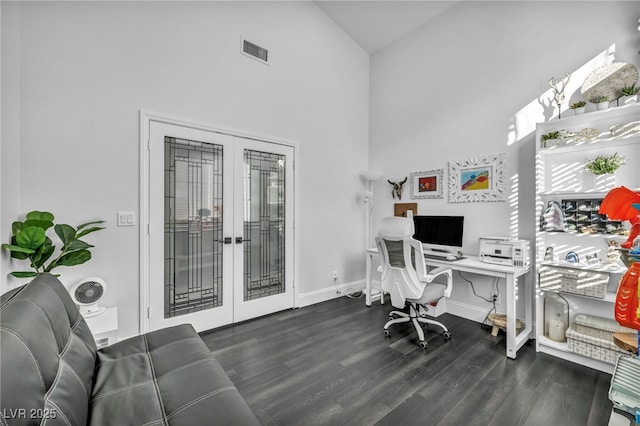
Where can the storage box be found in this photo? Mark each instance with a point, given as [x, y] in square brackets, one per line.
[573, 280]
[592, 337]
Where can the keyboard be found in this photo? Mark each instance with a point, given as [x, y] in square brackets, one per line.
[440, 255]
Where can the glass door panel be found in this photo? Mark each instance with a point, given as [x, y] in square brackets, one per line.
[193, 227]
[264, 224]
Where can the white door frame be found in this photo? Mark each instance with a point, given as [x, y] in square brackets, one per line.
[146, 117]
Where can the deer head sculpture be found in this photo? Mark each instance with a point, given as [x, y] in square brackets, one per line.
[558, 87]
[397, 188]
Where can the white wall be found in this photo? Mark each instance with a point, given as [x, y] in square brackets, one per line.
[467, 84]
[10, 135]
[86, 68]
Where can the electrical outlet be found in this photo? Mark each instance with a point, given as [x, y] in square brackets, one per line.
[335, 275]
[495, 296]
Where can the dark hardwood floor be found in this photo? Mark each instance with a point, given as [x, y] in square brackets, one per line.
[330, 364]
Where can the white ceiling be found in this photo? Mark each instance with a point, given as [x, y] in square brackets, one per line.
[376, 24]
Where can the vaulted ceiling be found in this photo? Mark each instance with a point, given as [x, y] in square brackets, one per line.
[376, 24]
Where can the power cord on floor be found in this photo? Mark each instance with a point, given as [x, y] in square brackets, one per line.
[351, 295]
[474, 289]
[355, 295]
[484, 324]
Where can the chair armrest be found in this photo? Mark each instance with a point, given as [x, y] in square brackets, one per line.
[443, 270]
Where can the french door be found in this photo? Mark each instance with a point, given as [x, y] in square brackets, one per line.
[220, 227]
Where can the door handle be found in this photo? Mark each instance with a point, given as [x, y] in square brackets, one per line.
[227, 240]
[238, 240]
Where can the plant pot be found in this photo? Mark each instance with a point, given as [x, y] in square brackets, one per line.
[605, 182]
[602, 105]
[549, 143]
[626, 100]
[578, 111]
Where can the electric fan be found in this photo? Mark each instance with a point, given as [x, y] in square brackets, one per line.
[87, 293]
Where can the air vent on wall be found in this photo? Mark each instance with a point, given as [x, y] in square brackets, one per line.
[254, 51]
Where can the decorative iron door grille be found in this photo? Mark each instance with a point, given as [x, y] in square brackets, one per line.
[193, 263]
[264, 224]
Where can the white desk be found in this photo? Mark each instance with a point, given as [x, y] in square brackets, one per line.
[473, 265]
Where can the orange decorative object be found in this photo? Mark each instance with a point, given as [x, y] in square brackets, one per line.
[626, 307]
[618, 205]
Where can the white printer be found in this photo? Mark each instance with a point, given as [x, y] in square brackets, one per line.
[504, 251]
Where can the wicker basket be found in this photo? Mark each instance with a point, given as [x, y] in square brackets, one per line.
[572, 280]
[592, 337]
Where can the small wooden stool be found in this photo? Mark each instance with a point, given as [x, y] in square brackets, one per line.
[626, 341]
[500, 322]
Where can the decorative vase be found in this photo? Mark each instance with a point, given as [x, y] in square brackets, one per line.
[556, 317]
[626, 100]
[578, 111]
[602, 105]
[605, 182]
[550, 143]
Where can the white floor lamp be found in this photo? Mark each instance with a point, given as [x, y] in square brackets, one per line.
[367, 197]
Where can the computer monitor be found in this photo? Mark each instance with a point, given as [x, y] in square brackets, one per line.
[439, 233]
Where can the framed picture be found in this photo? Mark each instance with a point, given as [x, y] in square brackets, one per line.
[478, 179]
[427, 184]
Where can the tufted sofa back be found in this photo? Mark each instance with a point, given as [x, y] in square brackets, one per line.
[47, 356]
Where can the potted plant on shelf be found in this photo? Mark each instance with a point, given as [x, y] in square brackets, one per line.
[604, 167]
[549, 139]
[578, 107]
[602, 102]
[629, 94]
[556, 138]
[30, 242]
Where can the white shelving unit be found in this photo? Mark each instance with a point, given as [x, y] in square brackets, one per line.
[560, 175]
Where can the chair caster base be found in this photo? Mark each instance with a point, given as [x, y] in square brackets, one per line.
[387, 333]
[423, 344]
[447, 335]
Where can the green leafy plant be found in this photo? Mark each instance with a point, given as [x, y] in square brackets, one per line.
[29, 241]
[550, 135]
[600, 99]
[578, 104]
[604, 164]
[630, 90]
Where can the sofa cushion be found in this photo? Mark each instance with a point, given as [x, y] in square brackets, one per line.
[49, 370]
[48, 355]
[166, 377]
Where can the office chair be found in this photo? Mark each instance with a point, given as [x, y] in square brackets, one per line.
[405, 276]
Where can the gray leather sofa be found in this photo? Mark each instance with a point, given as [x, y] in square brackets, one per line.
[52, 373]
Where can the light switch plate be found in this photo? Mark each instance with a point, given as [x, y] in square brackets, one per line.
[126, 218]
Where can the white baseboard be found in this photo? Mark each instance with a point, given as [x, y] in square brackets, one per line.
[454, 307]
[328, 293]
[466, 311]
[470, 312]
